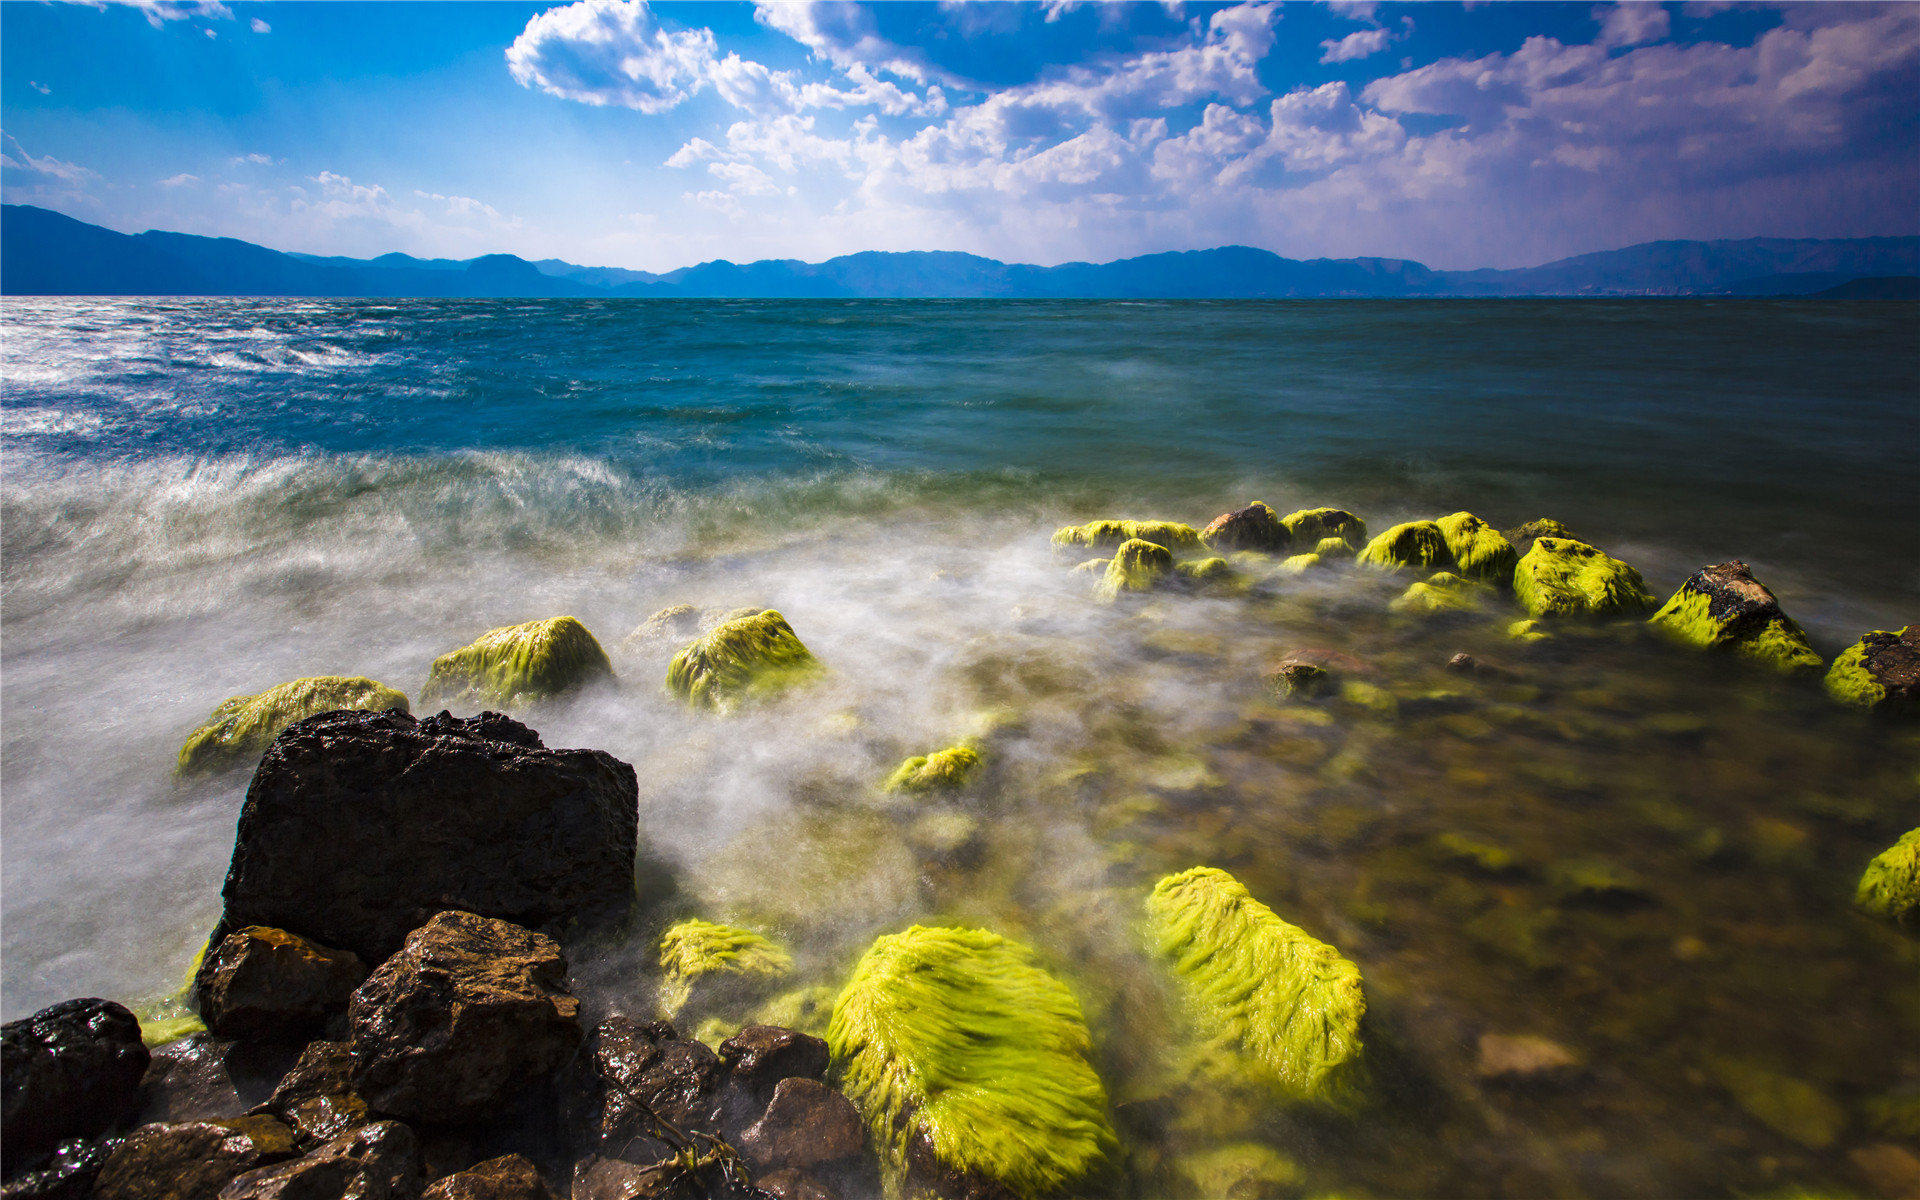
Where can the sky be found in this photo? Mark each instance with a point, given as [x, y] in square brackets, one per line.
[618, 133]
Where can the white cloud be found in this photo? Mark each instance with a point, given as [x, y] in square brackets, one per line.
[744, 179]
[262, 160]
[180, 180]
[1358, 10]
[14, 156]
[212, 35]
[605, 52]
[1630, 23]
[42, 88]
[260, 26]
[1355, 45]
[159, 12]
[845, 35]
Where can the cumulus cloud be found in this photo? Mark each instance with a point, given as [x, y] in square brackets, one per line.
[260, 26]
[180, 180]
[845, 35]
[605, 52]
[1354, 45]
[159, 12]
[1631, 23]
[14, 157]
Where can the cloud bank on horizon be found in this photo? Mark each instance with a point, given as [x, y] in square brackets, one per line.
[614, 133]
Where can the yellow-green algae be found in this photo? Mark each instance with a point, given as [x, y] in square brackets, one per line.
[1850, 682]
[1890, 886]
[1559, 577]
[1528, 630]
[696, 952]
[1237, 1171]
[1778, 641]
[516, 665]
[1205, 572]
[1411, 544]
[1310, 526]
[1481, 551]
[744, 659]
[805, 1009]
[956, 1036]
[1262, 991]
[943, 770]
[1136, 567]
[1442, 592]
[1301, 562]
[1105, 537]
[244, 726]
[1332, 549]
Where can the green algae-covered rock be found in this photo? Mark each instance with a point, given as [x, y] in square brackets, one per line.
[1300, 563]
[242, 728]
[1261, 990]
[1255, 527]
[1334, 549]
[1562, 578]
[1724, 607]
[1294, 678]
[515, 665]
[1480, 551]
[1523, 537]
[1890, 887]
[943, 770]
[1105, 537]
[1442, 592]
[709, 964]
[1237, 1169]
[1880, 670]
[1310, 526]
[955, 1037]
[1136, 567]
[1528, 630]
[1413, 544]
[739, 660]
[1205, 572]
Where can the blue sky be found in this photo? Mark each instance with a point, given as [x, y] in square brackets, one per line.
[611, 132]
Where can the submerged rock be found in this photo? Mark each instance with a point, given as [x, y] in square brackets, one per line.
[805, 1124]
[1890, 886]
[1418, 544]
[1523, 537]
[1524, 1058]
[709, 965]
[469, 1014]
[380, 1161]
[630, 1074]
[1293, 678]
[1205, 572]
[1790, 1106]
[672, 625]
[760, 1056]
[1562, 578]
[1440, 593]
[1284, 1005]
[516, 665]
[1308, 527]
[359, 827]
[1725, 607]
[1105, 537]
[509, 1177]
[967, 1060]
[1479, 550]
[69, 1071]
[191, 1161]
[264, 983]
[1882, 669]
[943, 770]
[1237, 1169]
[747, 658]
[242, 728]
[1255, 527]
[1335, 549]
[1137, 566]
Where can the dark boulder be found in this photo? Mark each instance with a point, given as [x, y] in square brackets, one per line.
[807, 1123]
[1255, 527]
[66, 1174]
[317, 1096]
[202, 1077]
[633, 1076]
[70, 1071]
[358, 827]
[469, 1014]
[760, 1056]
[509, 1177]
[1880, 671]
[374, 1162]
[262, 983]
[192, 1160]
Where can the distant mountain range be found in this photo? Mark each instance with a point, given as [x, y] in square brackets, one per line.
[46, 253]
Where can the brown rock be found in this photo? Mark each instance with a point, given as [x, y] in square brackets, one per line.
[790, 1184]
[1524, 1058]
[1467, 664]
[317, 1096]
[632, 1071]
[1291, 677]
[616, 1179]
[380, 1161]
[70, 1071]
[264, 983]
[470, 1013]
[201, 1077]
[1893, 660]
[1332, 661]
[510, 1177]
[760, 1056]
[1255, 527]
[190, 1161]
[1526, 535]
[807, 1123]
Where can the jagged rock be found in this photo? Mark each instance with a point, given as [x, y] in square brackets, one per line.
[72, 1070]
[66, 1174]
[262, 983]
[191, 1161]
[468, 1014]
[629, 1068]
[202, 1077]
[805, 1124]
[317, 1096]
[1255, 527]
[760, 1056]
[358, 827]
[516, 665]
[1882, 669]
[1724, 607]
[380, 1161]
[509, 1177]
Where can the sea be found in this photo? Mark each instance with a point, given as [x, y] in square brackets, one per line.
[1642, 853]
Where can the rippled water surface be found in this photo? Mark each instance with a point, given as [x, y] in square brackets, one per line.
[204, 498]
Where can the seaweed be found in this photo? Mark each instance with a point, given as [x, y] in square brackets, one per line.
[943, 770]
[1480, 550]
[1890, 886]
[515, 665]
[1559, 577]
[243, 727]
[698, 954]
[1412, 544]
[747, 658]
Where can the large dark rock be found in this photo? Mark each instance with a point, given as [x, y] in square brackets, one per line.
[202, 1077]
[66, 1174]
[509, 1177]
[1255, 527]
[470, 1013]
[262, 983]
[807, 1123]
[358, 827]
[317, 1096]
[70, 1071]
[374, 1162]
[635, 1073]
[191, 1160]
[760, 1056]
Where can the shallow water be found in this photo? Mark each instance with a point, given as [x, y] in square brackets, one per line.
[203, 498]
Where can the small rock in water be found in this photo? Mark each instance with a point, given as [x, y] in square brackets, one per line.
[190, 1161]
[805, 1124]
[746, 658]
[1563, 578]
[1882, 669]
[1255, 527]
[1890, 886]
[792, 1184]
[509, 1177]
[1467, 664]
[263, 983]
[380, 1161]
[1792, 1107]
[626, 1069]
[1523, 538]
[596, 1178]
[674, 625]
[69, 1071]
[516, 665]
[1894, 1171]
[1724, 607]
[1293, 678]
[241, 729]
[1524, 1058]
[1417, 544]
[760, 1056]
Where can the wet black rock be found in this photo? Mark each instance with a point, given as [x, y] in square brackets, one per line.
[202, 1077]
[380, 1161]
[793, 1184]
[358, 827]
[262, 983]
[509, 1177]
[70, 1071]
[66, 1174]
[631, 1074]
[469, 1014]
[596, 1178]
[806, 1124]
[191, 1160]
[760, 1056]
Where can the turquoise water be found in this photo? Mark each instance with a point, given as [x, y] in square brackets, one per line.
[208, 497]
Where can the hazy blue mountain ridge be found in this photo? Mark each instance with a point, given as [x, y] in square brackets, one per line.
[47, 253]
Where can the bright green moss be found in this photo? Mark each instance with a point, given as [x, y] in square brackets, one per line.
[1333, 549]
[1528, 630]
[943, 770]
[1300, 563]
[1890, 887]
[1750, 623]
[242, 728]
[1260, 990]
[1105, 537]
[1413, 544]
[1310, 526]
[1205, 572]
[1852, 678]
[1481, 551]
[1136, 567]
[806, 1010]
[716, 959]
[1562, 578]
[956, 1036]
[515, 665]
[744, 659]
[1238, 1169]
[1442, 592]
